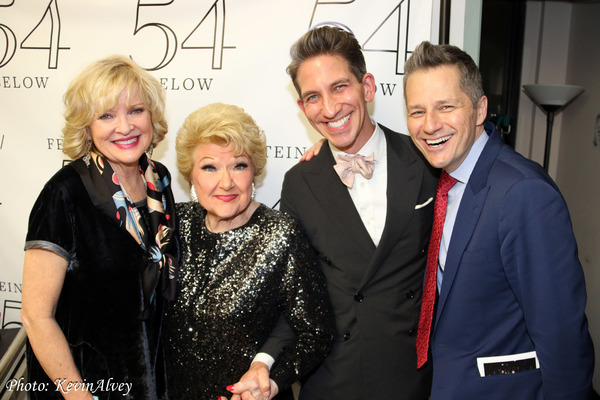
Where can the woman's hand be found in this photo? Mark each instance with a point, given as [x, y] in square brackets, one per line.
[254, 384]
[251, 390]
[313, 151]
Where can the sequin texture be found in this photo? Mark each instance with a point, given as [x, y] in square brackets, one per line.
[234, 286]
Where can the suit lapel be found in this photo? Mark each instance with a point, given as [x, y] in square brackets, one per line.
[468, 215]
[404, 176]
[469, 211]
[332, 195]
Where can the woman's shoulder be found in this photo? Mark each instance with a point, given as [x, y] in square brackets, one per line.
[65, 179]
[277, 219]
[269, 213]
[189, 210]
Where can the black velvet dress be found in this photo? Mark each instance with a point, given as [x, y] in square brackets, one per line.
[234, 287]
[99, 308]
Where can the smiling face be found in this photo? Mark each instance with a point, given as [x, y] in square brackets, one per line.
[123, 133]
[335, 102]
[441, 118]
[223, 184]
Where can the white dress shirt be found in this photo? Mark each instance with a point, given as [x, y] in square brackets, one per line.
[369, 195]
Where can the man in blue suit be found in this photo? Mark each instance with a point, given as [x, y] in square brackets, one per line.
[509, 319]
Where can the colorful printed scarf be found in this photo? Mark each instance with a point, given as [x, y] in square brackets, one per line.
[158, 239]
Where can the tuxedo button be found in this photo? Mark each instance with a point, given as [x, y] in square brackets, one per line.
[347, 336]
[410, 294]
[411, 332]
[359, 297]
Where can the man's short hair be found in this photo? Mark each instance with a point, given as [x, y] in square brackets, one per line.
[427, 56]
[327, 40]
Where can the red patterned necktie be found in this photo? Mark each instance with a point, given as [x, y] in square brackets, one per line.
[441, 201]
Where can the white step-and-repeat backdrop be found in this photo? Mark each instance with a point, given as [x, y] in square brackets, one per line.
[202, 51]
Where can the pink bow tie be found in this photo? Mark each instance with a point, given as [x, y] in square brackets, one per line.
[347, 166]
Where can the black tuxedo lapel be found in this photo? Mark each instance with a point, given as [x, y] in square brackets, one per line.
[404, 179]
[332, 194]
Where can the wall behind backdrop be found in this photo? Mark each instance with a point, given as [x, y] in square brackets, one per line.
[202, 51]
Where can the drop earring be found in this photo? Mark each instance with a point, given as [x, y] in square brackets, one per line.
[86, 157]
[253, 192]
[193, 195]
[149, 151]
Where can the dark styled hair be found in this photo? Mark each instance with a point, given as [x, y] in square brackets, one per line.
[327, 40]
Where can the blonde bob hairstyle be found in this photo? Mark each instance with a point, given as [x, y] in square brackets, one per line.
[97, 89]
[224, 125]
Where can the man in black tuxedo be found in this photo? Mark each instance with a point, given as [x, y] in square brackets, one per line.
[371, 232]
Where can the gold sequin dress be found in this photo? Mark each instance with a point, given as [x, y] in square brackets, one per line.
[234, 287]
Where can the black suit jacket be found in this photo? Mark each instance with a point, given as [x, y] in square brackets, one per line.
[375, 291]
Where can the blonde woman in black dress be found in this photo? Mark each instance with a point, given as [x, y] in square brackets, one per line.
[101, 251]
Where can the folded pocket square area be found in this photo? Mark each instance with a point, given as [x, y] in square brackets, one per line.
[429, 200]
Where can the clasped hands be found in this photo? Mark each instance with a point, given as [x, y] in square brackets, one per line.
[254, 385]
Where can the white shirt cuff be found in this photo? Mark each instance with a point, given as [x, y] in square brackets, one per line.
[265, 358]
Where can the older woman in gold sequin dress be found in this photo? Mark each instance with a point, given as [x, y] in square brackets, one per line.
[244, 266]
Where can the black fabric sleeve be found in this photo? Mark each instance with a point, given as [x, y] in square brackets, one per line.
[307, 311]
[51, 221]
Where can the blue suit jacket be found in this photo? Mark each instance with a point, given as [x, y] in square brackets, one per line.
[512, 284]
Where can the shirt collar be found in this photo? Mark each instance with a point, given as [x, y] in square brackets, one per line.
[375, 144]
[464, 170]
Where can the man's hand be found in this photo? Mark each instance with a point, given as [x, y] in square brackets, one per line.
[313, 151]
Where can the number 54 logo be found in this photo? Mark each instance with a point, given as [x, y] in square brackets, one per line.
[214, 19]
[46, 33]
[31, 41]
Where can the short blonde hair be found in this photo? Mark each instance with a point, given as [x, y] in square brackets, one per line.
[97, 89]
[221, 124]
